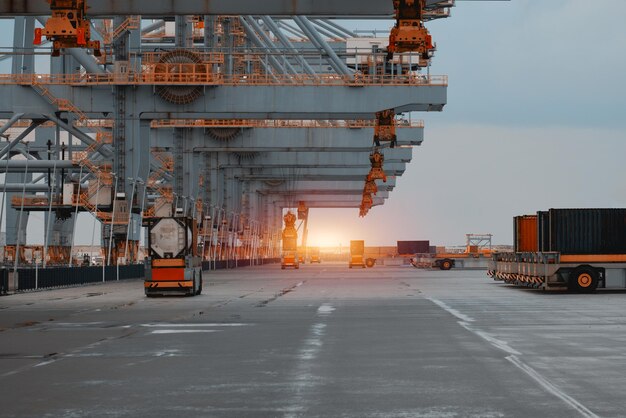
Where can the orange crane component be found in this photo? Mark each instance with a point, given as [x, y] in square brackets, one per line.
[385, 128]
[409, 33]
[68, 27]
[376, 172]
[290, 243]
[370, 187]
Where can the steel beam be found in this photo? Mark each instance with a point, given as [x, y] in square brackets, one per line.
[239, 102]
[289, 139]
[159, 8]
[39, 166]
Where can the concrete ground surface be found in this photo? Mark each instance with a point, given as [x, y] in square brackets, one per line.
[322, 341]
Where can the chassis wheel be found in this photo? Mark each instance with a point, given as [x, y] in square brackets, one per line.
[583, 279]
[446, 265]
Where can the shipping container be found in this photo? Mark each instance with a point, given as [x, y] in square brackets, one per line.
[543, 231]
[587, 231]
[413, 247]
[525, 234]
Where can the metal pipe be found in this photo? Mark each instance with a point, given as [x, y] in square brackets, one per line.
[294, 31]
[47, 232]
[255, 39]
[75, 219]
[329, 33]
[10, 122]
[112, 223]
[269, 22]
[338, 65]
[340, 28]
[19, 222]
[17, 187]
[25, 154]
[152, 27]
[268, 42]
[19, 165]
[21, 136]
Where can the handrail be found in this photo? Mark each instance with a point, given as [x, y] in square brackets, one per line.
[251, 123]
[215, 79]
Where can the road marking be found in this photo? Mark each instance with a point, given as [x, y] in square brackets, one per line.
[515, 360]
[451, 311]
[545, 383]
[183, 331]
[502, 345]
[45, 363]
[199, 325]
[304, 379]
[325, 309]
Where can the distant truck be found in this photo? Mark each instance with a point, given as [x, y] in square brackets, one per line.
[172, 265]
[357, 254]
[314, 255]
[575, 249]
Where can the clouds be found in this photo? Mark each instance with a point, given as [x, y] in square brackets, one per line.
[534, 63]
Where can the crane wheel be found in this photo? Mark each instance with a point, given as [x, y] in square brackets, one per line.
[446, 265]
[583, 279]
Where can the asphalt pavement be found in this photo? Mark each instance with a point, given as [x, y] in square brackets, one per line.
[321, 341]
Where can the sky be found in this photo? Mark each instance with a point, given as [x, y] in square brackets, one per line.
[536, 119]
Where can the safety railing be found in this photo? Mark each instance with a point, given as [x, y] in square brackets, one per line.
[195, 77]
[251, 123]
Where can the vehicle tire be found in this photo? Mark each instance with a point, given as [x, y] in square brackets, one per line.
[199, 291]
[282, 267]
[583, 279]
[297, 267]
[194, 289]
[445, 264]
[370, 262]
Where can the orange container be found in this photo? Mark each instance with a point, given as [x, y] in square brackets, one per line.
[525, 233]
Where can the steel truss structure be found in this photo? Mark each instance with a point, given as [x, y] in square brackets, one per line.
[228, 113]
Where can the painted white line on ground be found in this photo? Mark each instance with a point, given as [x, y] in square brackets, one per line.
[200, 325]
[45, 363]
[451, 311]
[502, 345]
[325, 309]
[183, 331]
[545, 383]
